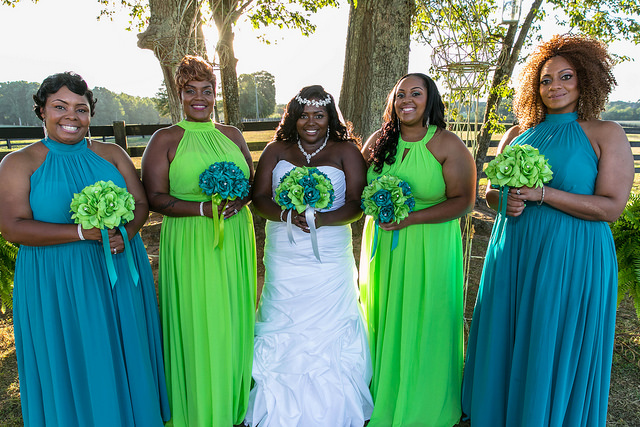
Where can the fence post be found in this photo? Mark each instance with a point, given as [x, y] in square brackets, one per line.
[120, 134]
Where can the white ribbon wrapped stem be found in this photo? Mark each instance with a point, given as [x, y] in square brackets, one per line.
[290, 227]
[310, 216]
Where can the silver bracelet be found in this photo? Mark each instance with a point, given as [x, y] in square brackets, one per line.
[201, 208]
[80, 235]
[541, 198]
[281, 219]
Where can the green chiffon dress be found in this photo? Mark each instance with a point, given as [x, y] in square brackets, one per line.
[207, 294]
[412, 296]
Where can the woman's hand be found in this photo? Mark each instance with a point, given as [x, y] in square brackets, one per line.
[116, 241]
[518, 196]
[300, 219]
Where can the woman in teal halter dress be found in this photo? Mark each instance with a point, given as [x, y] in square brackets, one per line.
[412, 294]
[207, 291]
[541, 339]
[89, 353]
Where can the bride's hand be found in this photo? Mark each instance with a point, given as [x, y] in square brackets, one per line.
[300, 221]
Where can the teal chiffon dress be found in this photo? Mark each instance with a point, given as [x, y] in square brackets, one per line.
[89, 354]
[541, 340]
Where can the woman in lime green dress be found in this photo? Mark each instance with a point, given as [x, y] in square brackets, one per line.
[207, 291]
[412, 294]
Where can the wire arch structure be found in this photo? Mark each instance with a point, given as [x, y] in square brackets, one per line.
[464, 56]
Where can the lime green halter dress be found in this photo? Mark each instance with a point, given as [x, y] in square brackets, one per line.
[207, 294]
[412, 296]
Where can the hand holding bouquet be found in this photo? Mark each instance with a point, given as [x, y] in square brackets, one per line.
[305, 190]
[223, 181]
[105, 205]
[387, 199]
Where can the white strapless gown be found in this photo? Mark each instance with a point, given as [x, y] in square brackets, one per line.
[311, 362]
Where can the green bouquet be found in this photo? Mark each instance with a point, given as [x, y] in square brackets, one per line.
[102, 205]
[519, 166]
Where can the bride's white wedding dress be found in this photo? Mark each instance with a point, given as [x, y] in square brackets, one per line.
[311, 361]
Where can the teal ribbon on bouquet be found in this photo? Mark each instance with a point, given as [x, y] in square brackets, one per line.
[108, 256]
[104, 205]
[222, 181]
[387, 199]
[305, 190]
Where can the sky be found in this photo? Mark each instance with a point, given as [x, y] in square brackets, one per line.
[64, 35]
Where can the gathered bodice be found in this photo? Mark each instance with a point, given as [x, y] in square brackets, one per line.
[66, 170]
[570, 154]
[419, 168]
[201, 145]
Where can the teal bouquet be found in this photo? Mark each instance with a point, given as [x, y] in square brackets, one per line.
[223, 181]
[387, 199]
[517, 166]
[104, 205]
[305, 190]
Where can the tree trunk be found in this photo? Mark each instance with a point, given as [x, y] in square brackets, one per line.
[510, 52]
[175, 30]
[377, 55]
[228, 74]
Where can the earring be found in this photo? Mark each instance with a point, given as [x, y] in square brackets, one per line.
[88, 135]
[328, 129]
[44, 128]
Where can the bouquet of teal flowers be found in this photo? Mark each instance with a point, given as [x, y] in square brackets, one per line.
[305, 190]
[223, 181]
[519, 166]
[387, 199]
[304, 187]
[105, 205]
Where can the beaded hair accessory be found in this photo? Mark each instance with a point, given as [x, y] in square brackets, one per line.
[314, 102]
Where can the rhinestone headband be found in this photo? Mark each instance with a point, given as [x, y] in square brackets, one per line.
[314, 102]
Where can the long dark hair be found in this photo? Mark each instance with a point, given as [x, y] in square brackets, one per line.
[338, 129]
[386, 146]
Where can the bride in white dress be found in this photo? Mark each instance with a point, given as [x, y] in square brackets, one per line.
[311, 365]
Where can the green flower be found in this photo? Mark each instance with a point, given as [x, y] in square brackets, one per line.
[519, 166]
[102, 205]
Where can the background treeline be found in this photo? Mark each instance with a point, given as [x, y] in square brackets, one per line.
[16, 104]
[616, 111]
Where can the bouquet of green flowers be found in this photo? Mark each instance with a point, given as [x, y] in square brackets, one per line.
[104, 205]
[387, 199]
[517, 166]
[305, 190]
[223, 181]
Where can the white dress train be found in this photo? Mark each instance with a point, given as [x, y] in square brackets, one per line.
[311, 363]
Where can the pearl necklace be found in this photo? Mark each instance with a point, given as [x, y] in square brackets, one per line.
[309, 156]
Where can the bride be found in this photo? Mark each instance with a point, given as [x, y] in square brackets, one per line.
[311, 358]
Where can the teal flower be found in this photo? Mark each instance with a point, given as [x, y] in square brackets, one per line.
[224, 181]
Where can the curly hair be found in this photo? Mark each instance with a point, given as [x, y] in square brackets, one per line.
[72, 81]
[194, 68]
[386, 146]
[593, 67]
[339, 130]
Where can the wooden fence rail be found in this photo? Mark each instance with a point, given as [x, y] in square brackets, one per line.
[119, 132]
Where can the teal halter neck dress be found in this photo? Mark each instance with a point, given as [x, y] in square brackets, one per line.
[541, 339]
[88, 354]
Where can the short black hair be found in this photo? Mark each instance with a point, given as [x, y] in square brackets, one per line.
[74, 82]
